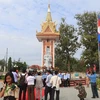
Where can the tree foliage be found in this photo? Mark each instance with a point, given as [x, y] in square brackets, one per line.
[2, 64]
[67, 45]
[87, 29]
[17, 64]
[20, 65]
[77, 65]
[9, 63]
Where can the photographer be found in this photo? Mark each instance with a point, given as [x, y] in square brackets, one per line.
[82, 93]
[92, 78]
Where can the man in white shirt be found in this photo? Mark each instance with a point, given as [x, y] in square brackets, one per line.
[48, 85]
[55, 81]
[65, 80]
[15, 75]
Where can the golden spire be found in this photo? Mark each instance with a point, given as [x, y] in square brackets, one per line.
[49, 18]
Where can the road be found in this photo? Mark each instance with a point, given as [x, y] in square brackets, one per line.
[69, 93]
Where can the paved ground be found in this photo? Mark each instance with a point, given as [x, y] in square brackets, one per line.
[71, 94]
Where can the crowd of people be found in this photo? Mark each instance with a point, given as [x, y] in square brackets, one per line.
[16, 85]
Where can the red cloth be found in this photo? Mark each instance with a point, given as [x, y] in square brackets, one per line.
[94, 68]
[34, 93]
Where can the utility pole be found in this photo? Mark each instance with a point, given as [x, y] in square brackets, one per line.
[48, 1]
[7, 59]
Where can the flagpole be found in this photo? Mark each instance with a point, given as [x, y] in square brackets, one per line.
[7, 59]
[99, 54]
[98, 30]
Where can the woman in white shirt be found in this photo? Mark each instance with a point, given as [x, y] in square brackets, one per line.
[30, 82]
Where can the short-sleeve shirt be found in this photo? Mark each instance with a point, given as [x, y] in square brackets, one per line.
[15, 76]
[9, 92]
[30, 80]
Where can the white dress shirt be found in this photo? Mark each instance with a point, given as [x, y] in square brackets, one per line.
[15, 76]
[48, 80]
[68, 75]
[65, 76]
[55, 81]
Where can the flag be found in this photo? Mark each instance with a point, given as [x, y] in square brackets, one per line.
[94, 68]
[98, 25]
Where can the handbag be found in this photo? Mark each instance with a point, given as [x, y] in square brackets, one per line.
[9, 98]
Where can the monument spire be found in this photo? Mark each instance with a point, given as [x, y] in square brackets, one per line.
[48, 36]
[49, 18]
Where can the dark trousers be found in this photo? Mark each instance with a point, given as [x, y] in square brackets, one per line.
[53, 94]
[31, 92]
[68, 82]
[94, 90]
[47, 91]
[62, 83]
[22, 89]
[44, 84]
[65, 82]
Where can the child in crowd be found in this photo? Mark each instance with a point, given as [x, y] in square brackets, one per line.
[82, 92]
[10, 91]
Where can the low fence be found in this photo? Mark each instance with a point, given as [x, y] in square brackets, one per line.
[77, 77]
[74, 81]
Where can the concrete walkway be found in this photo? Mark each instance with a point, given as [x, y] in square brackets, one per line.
[69, 93]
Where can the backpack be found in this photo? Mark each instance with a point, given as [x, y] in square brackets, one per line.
[22, 80]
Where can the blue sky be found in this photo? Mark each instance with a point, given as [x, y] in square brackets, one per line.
[19, 20]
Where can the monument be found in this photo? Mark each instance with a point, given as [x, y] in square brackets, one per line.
[48, 60]
[48, 36]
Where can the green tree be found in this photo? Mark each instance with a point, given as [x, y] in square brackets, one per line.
[9, 63]
[87, 29]
[24, 66]
[77, 65]
[20, 65]
[67, 45]
[2, 64]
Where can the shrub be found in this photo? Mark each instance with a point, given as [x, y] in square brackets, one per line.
[98, 82]
[2, 77]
